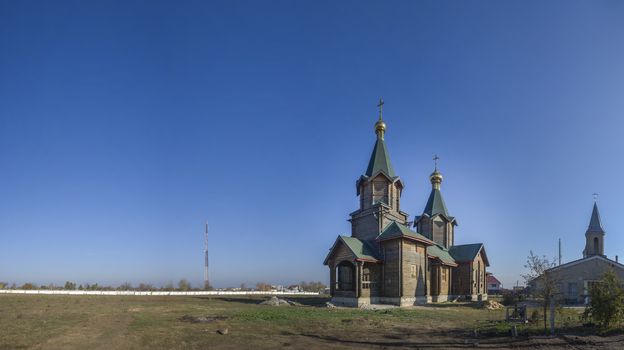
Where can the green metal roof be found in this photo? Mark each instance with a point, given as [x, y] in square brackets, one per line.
[380, 160]
[466, 252]
[396, 230]
[442, 254]
[595, 225]
[361, 249]
[435, 204]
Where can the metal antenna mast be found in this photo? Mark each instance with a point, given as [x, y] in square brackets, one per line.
[206, 283]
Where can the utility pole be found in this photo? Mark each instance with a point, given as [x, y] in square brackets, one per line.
[559, 251]
[206, 282]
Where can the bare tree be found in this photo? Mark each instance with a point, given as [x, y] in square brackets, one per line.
[125, 286]
[145, 287]
[542, 282]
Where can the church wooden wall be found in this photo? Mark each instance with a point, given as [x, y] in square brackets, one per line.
[440, 279]
[424, 227]
[390, 217]
[391, 268]
[439, 231]
[365, 227]
[366, 195]
[479, 285]
[462, 279]
[382, 189]
[445, 280]
[450, 231]
[374, 279]
[414, 269]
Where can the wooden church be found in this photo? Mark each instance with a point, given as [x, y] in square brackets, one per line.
[384, 261]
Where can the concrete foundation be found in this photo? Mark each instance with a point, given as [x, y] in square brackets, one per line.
[402, 301]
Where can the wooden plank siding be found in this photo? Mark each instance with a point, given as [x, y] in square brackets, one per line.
[414, 269]
[391, 268]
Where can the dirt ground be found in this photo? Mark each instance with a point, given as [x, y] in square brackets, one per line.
[150, 322]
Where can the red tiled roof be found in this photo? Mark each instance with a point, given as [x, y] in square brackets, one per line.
[491, 280]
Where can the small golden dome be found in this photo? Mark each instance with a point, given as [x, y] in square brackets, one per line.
[380, 126]
[436, 178]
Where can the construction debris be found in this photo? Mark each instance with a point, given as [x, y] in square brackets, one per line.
[491, 305]
[275, 301]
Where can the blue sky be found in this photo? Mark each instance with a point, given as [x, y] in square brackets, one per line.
[125, 125]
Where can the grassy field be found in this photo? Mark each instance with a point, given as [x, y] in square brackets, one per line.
[138, 322]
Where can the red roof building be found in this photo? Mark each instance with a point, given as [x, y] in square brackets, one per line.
[493, 284]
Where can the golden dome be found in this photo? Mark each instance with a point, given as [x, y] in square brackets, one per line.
[380, 126]
[436, 178]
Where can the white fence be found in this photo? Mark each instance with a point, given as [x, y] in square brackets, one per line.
[131, 292]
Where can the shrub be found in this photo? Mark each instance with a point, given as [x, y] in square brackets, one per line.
[28, 286]
[508, 299]
[607, 301]
[535, 316]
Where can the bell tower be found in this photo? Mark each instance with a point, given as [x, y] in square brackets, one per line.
[379, 190]
[435, 222]
[594, 236]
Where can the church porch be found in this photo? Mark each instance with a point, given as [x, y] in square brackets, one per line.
[355, 283]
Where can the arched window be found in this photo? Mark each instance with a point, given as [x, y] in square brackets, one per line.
[596, 250]
[345, 276]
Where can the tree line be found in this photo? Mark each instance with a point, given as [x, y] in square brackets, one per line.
[182, 285]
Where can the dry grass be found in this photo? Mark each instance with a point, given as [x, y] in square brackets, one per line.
[137, 322]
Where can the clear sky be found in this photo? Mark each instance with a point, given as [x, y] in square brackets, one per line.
[125, 125]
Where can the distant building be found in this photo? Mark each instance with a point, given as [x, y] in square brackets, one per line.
[384, 261]
[575, 278]
[493, 284]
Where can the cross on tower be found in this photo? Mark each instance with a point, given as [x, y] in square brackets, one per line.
[380, 105]
[435, 160]
[595, 196]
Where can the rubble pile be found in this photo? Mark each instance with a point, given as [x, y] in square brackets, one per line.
[275, 301]
[491, 305]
